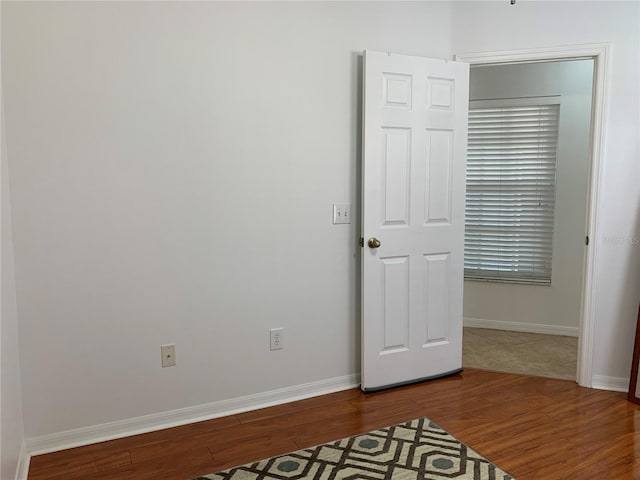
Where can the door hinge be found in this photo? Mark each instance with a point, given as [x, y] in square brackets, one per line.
[586, 240]
[362, 241]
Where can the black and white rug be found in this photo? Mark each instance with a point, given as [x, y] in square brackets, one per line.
[415, 450]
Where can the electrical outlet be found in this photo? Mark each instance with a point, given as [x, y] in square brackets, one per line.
[168, 353]
[277, 338]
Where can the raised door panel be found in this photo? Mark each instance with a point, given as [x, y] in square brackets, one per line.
[396, 164]
[395, 294]
[439, 159]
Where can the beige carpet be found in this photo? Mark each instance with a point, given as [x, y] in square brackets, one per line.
[516, 352]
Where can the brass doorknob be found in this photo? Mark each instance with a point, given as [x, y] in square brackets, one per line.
[373, 242]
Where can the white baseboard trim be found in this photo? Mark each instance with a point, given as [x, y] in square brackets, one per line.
[158, 421]
[521, 327]
[22, 471]
[614, 384]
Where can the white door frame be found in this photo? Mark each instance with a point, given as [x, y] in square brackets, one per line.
[600, 53]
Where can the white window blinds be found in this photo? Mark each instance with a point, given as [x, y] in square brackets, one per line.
[511, 178]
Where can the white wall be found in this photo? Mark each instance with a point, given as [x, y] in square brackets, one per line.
[11, 420]
[173, 169]
[556, 307]
[491, 26]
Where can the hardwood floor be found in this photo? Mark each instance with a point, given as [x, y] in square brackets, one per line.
[534, 428]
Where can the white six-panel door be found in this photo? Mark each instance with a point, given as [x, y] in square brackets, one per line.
[414, 150]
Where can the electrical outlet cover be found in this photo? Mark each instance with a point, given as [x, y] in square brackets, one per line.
[277, 338]
[168, 353]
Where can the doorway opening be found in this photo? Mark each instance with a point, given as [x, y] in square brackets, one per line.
[551, 320]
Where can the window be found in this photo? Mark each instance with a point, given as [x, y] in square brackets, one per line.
[511, 179]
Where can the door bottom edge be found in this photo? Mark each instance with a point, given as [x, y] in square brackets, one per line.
[410, 382]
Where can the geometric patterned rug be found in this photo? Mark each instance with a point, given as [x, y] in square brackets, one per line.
[414, 450]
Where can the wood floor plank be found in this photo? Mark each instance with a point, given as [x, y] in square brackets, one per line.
[288, 408]
[112, 461]
[534, 428]
[230, 454]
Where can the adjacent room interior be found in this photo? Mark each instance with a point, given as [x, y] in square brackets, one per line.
[528, 173]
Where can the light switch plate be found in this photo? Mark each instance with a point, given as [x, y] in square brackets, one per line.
[341, 213]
